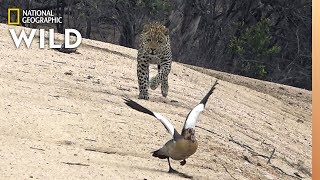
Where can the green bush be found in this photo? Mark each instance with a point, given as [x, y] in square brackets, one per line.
[253, 47]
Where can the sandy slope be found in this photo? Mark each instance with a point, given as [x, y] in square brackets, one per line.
[62, 116]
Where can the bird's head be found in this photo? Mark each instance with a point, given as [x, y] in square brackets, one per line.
[189, 134]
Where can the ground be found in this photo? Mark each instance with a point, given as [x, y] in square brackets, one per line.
[63, 116]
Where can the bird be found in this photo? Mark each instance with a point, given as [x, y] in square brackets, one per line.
[183, 145]
[63, 49]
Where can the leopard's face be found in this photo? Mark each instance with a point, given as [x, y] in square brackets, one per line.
[155, 38]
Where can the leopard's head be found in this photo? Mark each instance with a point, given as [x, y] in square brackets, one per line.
[155, 37]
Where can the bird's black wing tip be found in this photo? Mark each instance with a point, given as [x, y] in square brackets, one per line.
[214, 85]
[126, 98]
[134, 105]
[129, 102]
[205, 99]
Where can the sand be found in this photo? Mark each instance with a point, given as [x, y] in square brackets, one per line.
[63, 117]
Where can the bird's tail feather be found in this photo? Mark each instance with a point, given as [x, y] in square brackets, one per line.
[158, 154]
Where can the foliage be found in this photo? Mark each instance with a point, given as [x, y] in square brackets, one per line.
[254, 69]
[254, 44]
[255, 41]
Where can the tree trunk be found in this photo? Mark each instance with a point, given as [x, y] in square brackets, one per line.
[127, 35]
[60, 13]
[183, 24]
[88, 32]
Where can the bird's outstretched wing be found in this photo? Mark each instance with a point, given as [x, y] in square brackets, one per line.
[166, 123]
[195, 112]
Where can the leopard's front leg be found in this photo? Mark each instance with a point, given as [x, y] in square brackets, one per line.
[155, 81]
[162, 77]
[143, 78]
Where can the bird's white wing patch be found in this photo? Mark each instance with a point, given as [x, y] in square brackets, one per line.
[193, 116]
[165, 122]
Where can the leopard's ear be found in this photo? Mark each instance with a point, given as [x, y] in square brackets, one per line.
[166, 31]
[146, 27]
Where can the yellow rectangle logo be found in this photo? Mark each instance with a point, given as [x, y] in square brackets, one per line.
[17, 21]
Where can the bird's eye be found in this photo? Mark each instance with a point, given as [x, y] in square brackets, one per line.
[148, 40]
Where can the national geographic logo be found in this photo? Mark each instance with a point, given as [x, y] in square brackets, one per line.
[14, 16]
[32, 17]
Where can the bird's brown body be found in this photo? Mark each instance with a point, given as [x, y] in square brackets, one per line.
[180, 149]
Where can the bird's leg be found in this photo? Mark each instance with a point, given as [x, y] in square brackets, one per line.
[171, 170]
[183, 162]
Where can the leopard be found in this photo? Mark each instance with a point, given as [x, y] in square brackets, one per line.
[154, 48]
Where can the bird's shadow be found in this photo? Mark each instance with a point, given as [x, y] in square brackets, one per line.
[181, 174]
[174, 173]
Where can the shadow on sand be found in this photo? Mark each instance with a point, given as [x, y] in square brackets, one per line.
[173, 173]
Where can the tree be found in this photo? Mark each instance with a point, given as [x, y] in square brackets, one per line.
[254, 49]
[203, 29]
